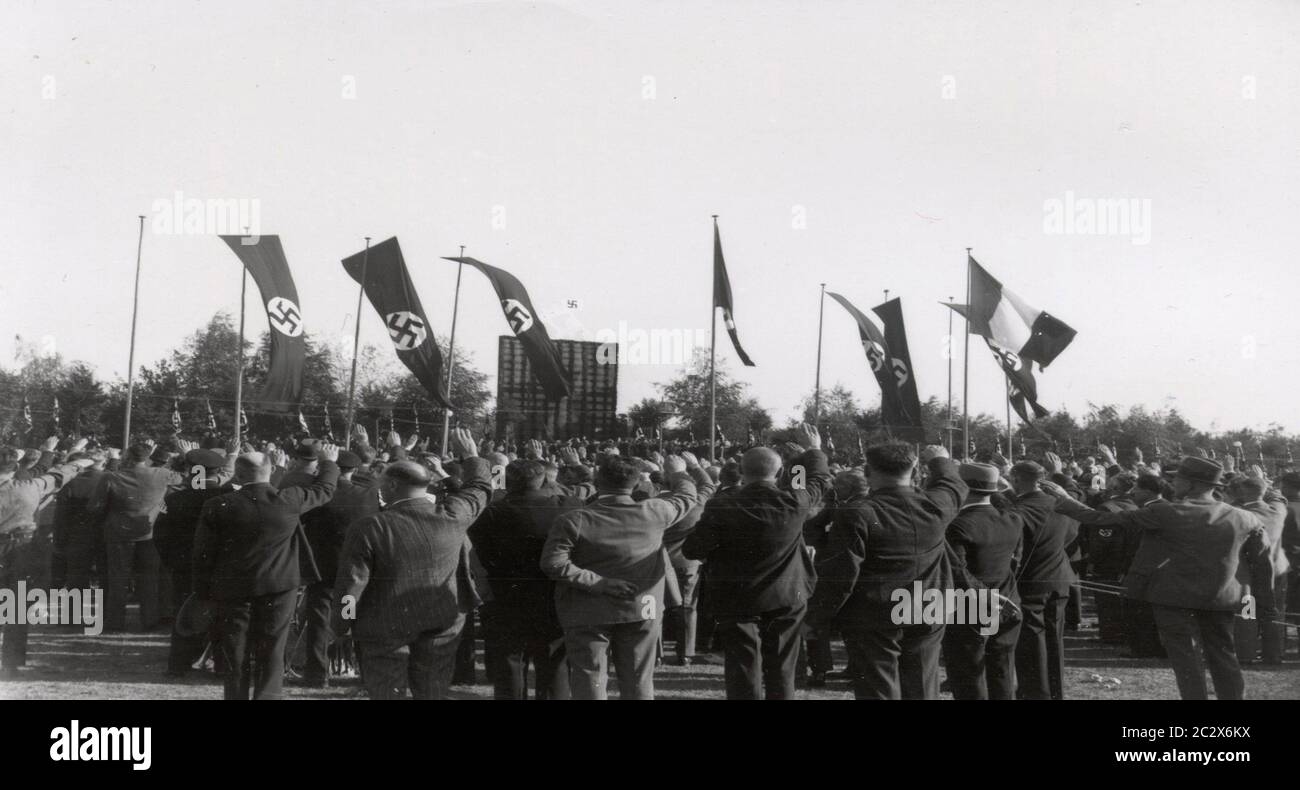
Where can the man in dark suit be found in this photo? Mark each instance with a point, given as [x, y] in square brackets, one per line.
[125, 504]
[1108, 551]
[174, 533]
[326, 527]
[1044, 582]
[984, 550]
[760, 571]
[250, 556]
[1139, 619]
[887, 541]
[611, 566]
[403, 581]
[1187, 569]
[519, 623]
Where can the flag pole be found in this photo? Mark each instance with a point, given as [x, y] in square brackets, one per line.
[451, 353]
[965, 370]
[356, 345]
[130, 364]
[239, 375]
[948, 420]
[713, 349]
[1010, 451]
[817, 386]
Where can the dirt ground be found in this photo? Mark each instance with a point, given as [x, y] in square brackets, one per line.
[65, 664]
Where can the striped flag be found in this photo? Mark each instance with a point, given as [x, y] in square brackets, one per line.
[302, 422]
[415, 414]
[722, 295]
[1017, 334]
[329, 429]
[212, 418]
[243, 421]
[27, 414]
[56, 414]
[176, 415]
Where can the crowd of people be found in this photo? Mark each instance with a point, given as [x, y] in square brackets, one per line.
[572, 559]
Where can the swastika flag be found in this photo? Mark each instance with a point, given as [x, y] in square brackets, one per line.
[265, 261]
[389, 288]
[543, 356]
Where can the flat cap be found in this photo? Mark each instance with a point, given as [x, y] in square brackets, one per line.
[205, 458]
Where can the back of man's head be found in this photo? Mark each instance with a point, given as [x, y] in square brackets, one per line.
[730, 474]
[1149, 485]
[1248, 489]
[253, 468]
[850, 483]
[616, 473]
[138, 453]
[523, 476]
[405, 479]
[891, 459]
[760, 463]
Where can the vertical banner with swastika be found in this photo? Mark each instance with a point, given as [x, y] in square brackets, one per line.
[265, 261]
[900, 366]
[389, 288]
[893, 409]
[542, 354]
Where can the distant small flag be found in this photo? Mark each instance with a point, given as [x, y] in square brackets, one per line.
[722, 437]
[56, 415]
[212, 418]
[27, 414]
[302, 422]
[392, 426]
[329, 429]
[640, 434]
[176, 415]
[830, 442]
[749, 437]
[415, 415]
[243, 421]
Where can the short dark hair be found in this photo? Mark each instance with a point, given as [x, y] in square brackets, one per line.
[524, 476]
[1149, 482]
[9, 459]
[730, 474]
[891, 458]
[616, 471]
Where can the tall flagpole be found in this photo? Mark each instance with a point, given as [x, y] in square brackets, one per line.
[817, 386]
[356, 346]
[1010, 451]
[965, 371]
[130, 364]
[948, 420]
[239, 376]
[713, 349]
[451, 353]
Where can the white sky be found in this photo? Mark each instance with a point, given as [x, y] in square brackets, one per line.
[757, 108]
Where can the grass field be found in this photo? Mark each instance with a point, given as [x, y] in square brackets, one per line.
[64, 664]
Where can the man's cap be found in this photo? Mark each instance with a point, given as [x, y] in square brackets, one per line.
[305, 451]
[981, 478]
[204, 458]
[348, 460]
[1028, 469]
[1200, 470]
[1291, 479]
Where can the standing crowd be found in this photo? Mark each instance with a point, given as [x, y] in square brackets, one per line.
[571, 559]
